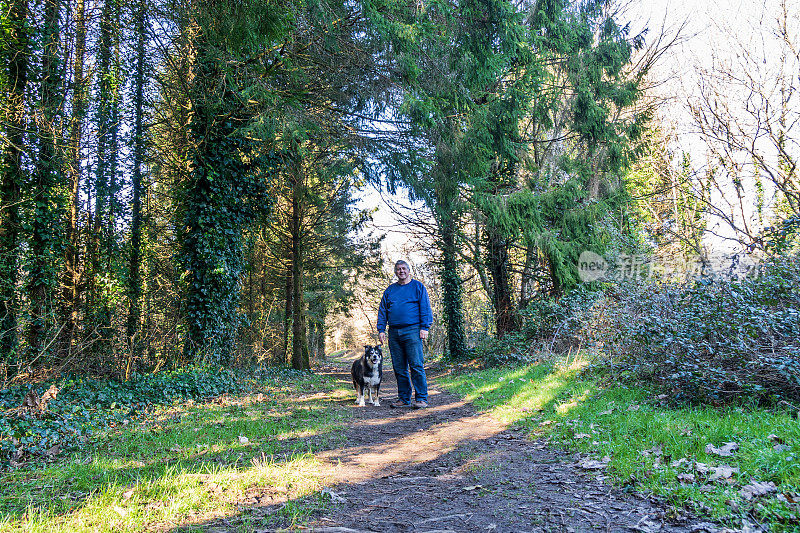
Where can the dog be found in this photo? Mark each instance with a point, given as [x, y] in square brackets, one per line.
[367, 372]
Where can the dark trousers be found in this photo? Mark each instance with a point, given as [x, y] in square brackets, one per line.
[405, 347]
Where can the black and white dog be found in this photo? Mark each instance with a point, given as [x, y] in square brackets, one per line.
[367, 372]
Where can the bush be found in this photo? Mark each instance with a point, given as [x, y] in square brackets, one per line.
[714, 341]
[510, 349]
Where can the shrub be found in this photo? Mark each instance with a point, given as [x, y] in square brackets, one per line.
[715, 341]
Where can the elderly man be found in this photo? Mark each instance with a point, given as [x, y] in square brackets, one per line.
[406, 309]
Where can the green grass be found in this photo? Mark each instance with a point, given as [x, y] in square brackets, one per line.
[558, 402]
[187, 463]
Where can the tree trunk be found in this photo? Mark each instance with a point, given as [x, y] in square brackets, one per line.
[287, 313]
[451, 288]
[300, 359]
[134, 265]
[497, 264]
[71, 278]
[12, 177]
[46, 234]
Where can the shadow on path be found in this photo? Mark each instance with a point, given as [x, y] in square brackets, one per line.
[450, 469]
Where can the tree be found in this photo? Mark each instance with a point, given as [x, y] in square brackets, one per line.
[15, 62]
[135, 261]
[46, 241]
[748, 115]
[71, 277]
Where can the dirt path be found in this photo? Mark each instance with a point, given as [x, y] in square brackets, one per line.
[450, 469]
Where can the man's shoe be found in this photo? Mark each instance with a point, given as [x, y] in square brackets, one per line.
[419, 405]
[399, 403]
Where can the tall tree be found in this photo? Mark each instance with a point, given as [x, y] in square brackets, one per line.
[46, 241]
[134, 265]
[227, 176]
[71, 277]
[12, 172]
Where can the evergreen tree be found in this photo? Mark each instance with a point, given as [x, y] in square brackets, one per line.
[13, 83]
[46, 240]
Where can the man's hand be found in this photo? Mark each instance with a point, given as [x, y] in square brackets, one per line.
[423, 334]
[382, 337]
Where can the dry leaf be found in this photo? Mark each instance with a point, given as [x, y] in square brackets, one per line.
[726, 450]
[243, 440]
[774, 438]
[120, 511]
[679, 462]
[582, 436]
[175, 449]
[472, 487]
[656, 451]
[606, 412]
[591, 464]
[634, 407]
[127, 494]
[723, 473]
[781, 447]
[686, 478]
[701, 467]
[55, 450]
[754, 488]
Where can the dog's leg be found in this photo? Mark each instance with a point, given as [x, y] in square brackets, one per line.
[360, 400]
[377, 395]
[376, 402]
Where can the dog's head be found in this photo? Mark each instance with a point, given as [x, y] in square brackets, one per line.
[373, 354]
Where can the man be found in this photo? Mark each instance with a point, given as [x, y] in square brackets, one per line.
[406, 309]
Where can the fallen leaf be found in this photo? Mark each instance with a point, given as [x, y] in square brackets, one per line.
[591, 464]
[55, 450]
[606, 412]
[774, 438]
[582, 436]
[243, 440]
[686, 478]
[634, 407]
[754, 488]
[472, 487]
[127, 494]
[723, 473]
[726, 450]
[120, 511]
[175, 449]
[781, 447]
[701, 467]
[679, 462]
[335, 497]
[656, 451]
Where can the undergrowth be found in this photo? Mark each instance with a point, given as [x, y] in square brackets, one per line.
[85, 407]
[189, 450]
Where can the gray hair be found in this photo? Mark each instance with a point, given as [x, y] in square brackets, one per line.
[401, 262]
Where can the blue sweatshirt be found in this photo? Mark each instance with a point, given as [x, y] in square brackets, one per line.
[405, 305]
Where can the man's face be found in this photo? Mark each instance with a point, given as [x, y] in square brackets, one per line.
[402, 273]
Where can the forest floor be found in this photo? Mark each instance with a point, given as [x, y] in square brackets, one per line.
[451, 468]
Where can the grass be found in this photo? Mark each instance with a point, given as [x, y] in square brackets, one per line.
[650, 443]
[188, 464]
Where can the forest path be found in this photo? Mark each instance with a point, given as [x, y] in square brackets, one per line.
[449, 468]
